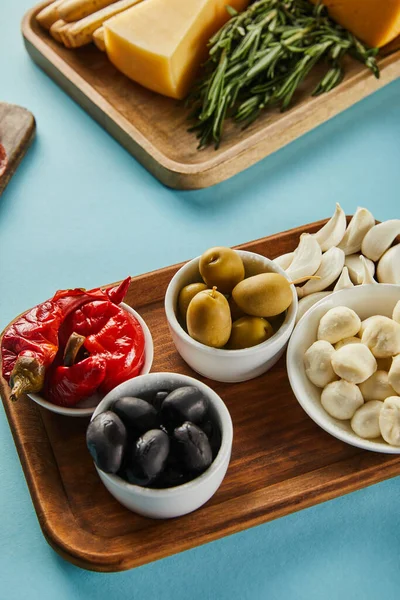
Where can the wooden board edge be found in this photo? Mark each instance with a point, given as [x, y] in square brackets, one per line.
[26, 142]
[244, 154]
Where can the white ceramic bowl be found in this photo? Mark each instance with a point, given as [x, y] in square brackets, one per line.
[230, 366]
[86, 407]
[365, 300]
[185, 498]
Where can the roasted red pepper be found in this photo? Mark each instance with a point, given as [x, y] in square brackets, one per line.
[3, 160]
[67, 385]
[106, 331]
[30, 345]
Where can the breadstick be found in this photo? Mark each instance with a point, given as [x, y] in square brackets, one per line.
[98, 39]
[49, 14]
[80, 33]
[74, 10]
[55, 30]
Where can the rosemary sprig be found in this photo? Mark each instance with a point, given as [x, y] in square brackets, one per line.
[260, 57]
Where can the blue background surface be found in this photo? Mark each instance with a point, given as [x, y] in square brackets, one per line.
[81, 211]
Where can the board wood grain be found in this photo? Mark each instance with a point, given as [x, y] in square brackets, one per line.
[281, 460]
[17, 130]
[154, 129]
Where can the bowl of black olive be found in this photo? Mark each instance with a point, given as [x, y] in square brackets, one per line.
[161, 443]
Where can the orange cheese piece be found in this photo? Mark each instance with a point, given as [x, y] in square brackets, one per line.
[375, 22]
[161, 43]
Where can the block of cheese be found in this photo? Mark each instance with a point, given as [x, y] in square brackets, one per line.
[161, 43]
[375, 22]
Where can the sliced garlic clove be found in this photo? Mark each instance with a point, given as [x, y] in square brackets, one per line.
[356, 268]
[285, 260]
[388, 270]
[344, 282]
[332, 232]
[357, 229]
[307, 302]
[331, 266]
[307, 258]
[366, 277]
[380, 238]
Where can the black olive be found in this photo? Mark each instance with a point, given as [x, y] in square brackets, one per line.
[213, 433]
[159, 398]
[194, 447]
[136, 413]
[184, 404]
[149, 456]
[106, 440]
[173, 474]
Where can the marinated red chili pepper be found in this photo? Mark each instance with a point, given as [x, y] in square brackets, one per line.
[31, 343]
[67, 385]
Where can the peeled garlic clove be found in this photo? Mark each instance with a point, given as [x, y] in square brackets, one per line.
[377, 387]
[356, 269]
[331, 266]
[317, 363]
[332, 232]
[388, 270]
[365, 421]
[347, 341]
[382, 336]
[344, 282]
[380, 238]
[354, 363]
[389, 420]
[341, 399]
[358, 227]
[284, 260]
[308, 301]
[366, 278]
[338, 323]
[307, 258]
[396, 313]
[394, 374]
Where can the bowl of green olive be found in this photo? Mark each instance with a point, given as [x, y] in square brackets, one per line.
[230, 313]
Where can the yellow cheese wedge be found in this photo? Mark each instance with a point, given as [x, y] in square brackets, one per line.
[375, 22]
[161, 43]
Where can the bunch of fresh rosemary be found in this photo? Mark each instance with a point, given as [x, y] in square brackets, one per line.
[260, 57]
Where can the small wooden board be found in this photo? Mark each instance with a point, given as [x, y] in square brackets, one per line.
[17, 130]
[281, 460]
[154, 128]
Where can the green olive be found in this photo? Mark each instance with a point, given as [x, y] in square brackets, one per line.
[249, 331]
[209, 318]
[221, 267]
[264, 295]
[236, 312]
[186, 295]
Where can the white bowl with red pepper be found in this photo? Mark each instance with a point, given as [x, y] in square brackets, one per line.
[161, 444]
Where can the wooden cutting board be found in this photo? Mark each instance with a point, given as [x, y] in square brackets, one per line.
[281, 460]
[154, 129]
[17, 130]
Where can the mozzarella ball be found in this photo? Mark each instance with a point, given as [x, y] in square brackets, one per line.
[338, 323]
[346, 341]
[394, 375]
[365, 421]
[341, 399]
[377, 387]
[317, 363]
[382, 336]
[389, 420]
[396, 313]
[354, 363]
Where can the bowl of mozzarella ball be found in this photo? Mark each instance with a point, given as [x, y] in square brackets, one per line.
[343, 364]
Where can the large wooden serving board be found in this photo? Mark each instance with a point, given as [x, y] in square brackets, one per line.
[154, 129]
[281, 460]
[17, 130]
